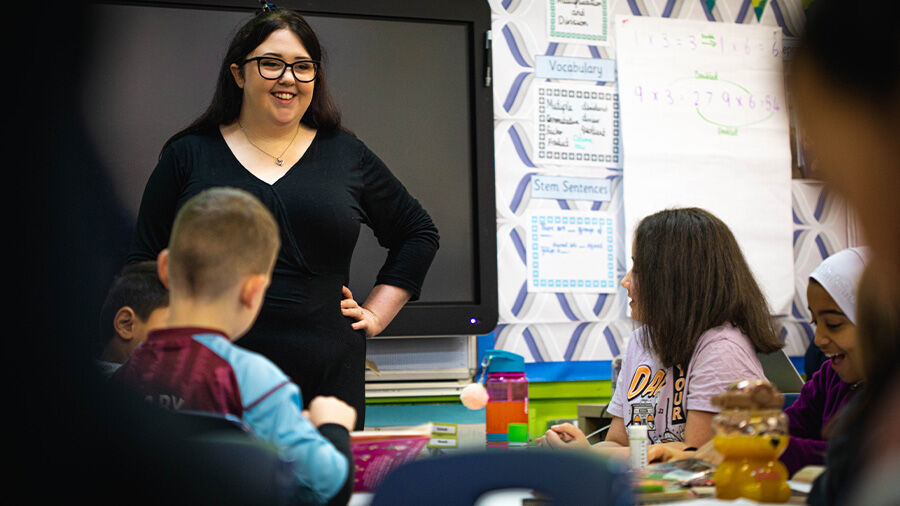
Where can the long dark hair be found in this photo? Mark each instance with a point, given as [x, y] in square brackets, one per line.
[691, 276]
[322, 114]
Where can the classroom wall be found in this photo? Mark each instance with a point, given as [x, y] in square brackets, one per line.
[568, 339]
[569, 336]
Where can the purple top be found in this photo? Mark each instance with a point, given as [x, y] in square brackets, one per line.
[820, 400]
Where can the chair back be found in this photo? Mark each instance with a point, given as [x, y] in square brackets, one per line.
[565, 477]
[780, 371]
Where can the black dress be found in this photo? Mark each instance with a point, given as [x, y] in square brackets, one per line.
[318, 204]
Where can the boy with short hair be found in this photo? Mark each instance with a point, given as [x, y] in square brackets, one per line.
[137, 302]
[217, 267]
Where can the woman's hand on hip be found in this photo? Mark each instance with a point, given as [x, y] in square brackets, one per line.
[365, 319]
[382, 305]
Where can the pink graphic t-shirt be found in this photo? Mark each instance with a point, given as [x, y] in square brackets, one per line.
[648, 394]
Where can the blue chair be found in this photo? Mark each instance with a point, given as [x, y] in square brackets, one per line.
[566, 477]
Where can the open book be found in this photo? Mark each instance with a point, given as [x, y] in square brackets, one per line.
[376, 453]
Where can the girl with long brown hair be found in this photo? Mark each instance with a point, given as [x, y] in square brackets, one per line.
[704, 318]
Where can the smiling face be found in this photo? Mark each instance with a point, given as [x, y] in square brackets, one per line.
[282, 101]
[835, 334]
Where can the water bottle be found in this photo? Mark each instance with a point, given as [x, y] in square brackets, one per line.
[507, 390]
[639, 444]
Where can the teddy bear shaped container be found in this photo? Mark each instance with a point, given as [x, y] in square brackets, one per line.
[751, 433]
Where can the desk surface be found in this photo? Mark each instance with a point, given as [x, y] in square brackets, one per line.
[515, 497]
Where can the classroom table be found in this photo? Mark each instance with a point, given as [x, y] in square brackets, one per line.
[520, 497]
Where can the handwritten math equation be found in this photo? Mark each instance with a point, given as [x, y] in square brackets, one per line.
[723, 103]
[709, 43]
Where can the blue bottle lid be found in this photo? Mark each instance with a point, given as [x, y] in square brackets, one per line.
[504, 361]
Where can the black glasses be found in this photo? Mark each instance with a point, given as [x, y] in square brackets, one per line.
[272, 68]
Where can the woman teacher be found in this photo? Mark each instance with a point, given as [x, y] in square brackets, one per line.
[273, 130]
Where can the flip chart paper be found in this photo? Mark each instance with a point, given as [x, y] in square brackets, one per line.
[707, 126]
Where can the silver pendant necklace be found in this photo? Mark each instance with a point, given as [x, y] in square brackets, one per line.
[278, 160]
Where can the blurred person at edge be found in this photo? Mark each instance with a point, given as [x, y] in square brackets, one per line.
[78, 438]
[846, 91]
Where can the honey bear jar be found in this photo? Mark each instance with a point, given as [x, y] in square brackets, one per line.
[751, 433]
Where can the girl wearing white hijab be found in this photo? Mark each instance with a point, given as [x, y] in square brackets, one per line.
[832, 301]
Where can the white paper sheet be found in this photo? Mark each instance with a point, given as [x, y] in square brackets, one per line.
[576, 125]
[799, 486]
[705, 125]
[571, 252]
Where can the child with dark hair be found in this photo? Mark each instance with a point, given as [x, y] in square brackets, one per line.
[137, 303]
[831, 295]
[218, 266]
[704, 318]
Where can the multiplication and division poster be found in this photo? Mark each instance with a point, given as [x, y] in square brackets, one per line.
[581, 21]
